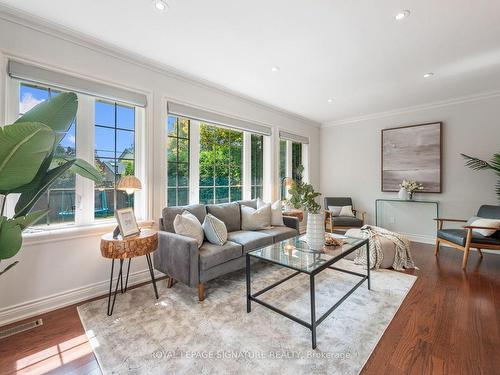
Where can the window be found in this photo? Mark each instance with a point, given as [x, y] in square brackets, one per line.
[296, 158]
[60, 198]
[257, 165]
[114, 155]
[220, 164]
[178, 130]
[282, 167]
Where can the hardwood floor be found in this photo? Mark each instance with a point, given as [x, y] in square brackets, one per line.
[448, 324]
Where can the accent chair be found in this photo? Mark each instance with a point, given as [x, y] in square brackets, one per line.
[342, 222]
[466, 238]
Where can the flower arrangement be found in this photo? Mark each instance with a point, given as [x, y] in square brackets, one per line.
[411, 187]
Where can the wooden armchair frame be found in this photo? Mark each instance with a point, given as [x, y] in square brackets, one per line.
[329, 221]
[468, 242]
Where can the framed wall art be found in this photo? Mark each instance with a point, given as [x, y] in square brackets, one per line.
[412, 153]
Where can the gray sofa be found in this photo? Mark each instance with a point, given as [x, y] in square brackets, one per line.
[179, 257]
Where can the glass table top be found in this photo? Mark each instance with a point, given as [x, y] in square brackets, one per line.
[295, 253]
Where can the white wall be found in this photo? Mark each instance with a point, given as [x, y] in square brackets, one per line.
[351, 161]
[65, 268]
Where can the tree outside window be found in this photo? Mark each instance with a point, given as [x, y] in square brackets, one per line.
[178, 131]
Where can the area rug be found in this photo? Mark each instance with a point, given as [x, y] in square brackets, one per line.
[179, 335]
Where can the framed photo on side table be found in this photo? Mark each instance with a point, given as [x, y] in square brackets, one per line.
[126, 222]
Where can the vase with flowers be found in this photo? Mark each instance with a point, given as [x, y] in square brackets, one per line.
[411, 187]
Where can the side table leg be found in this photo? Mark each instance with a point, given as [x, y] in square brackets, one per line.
[110, 310]
[249, 302]
[313, 310]
[128, 271]
[150, 265]
[110, 285]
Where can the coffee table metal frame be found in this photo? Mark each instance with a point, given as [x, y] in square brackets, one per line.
[313, 324]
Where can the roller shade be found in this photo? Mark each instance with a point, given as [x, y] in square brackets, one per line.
[293, 137]
[35, 74]
[215, 118]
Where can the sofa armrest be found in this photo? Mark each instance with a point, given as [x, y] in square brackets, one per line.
[178, 257]
[291, 222]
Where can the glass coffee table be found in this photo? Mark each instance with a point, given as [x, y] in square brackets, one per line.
[297, 256]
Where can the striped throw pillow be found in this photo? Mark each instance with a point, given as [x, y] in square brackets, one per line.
[215, 230]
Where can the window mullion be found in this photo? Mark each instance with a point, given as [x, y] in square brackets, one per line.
[84, 213]
[247, 166]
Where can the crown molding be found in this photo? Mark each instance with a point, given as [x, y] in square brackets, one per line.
[417, 108]
[54, 30]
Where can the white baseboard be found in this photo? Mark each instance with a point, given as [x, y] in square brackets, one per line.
[56, 301]
[420, 238]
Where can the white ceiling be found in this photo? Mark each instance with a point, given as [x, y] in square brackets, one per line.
[352, 51]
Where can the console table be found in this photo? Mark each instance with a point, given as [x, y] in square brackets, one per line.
[436, 203]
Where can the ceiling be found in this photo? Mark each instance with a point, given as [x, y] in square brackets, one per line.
[354, 52]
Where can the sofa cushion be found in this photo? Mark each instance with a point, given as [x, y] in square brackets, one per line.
[250, 240]
[280, 233]
[251, 203]
[188, 225]
[459, 237]
[347, 221]
[212, 255]
[229, 213]
[169, 214]
[255, 219]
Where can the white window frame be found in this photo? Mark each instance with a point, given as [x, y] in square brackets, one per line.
[85, 130]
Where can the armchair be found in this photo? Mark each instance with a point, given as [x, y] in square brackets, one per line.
[466, 238]
[342, 222]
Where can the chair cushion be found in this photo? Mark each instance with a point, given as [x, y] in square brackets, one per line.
[212, 255]
[347, 221]
[229, 213]
[280, 233]
[250, 240]
[459, 237]
[169, 214]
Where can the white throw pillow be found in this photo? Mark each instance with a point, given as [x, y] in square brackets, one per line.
[480, 222]
[215, 230]
[335, 210]
[255, 219]
[346, 211]
[276, 213]
[188, 225]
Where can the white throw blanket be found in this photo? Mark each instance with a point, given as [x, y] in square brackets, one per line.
[402, 256]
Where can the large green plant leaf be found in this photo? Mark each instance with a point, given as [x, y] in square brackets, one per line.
[23, 148]
[86, 170]
[57, 113]
[11, 229]
[44, 179]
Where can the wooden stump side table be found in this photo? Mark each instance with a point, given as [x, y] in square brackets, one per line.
[127, 248]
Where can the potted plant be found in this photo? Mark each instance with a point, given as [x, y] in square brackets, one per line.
[302, 195]
[411, 187]
[29, 166]
[478, 164]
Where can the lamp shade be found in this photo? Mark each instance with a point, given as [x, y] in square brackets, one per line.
[129, 184]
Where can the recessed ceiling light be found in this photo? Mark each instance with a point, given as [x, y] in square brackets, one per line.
[428, 75]
[161, 5]
[402, 14]
[330, 100]
[275, 68]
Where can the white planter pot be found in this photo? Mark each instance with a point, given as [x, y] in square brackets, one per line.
[315, 232]
[403, 194]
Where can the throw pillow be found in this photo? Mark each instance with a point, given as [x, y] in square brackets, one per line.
[335, 210]
[481, 222]
[255, 219]
[276, 212]
[215, 230]
[188, 225]
[346, 211]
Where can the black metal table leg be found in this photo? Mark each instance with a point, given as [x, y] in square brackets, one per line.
[128, 271]
[110, 310]
[249, 302]
[313, 311]
[368, 263]
[150, 265]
